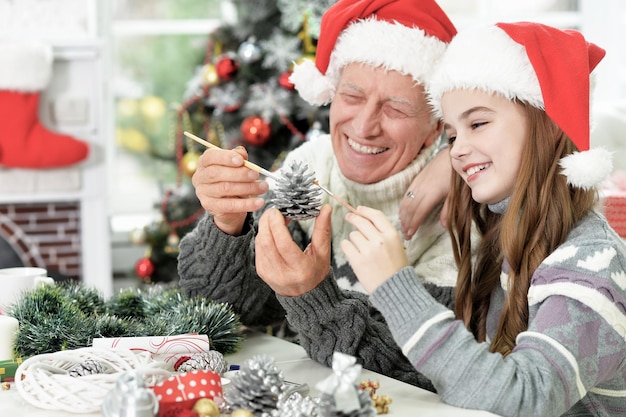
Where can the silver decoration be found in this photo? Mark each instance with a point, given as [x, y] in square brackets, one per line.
[315, 131]
[281, 51]
[130, 397]
[249, 52]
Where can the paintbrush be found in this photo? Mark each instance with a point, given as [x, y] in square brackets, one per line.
[269, 174]
[339, 200]
[248, 164]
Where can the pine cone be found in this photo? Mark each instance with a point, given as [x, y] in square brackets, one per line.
[256, 387]
[295, 405]
[87, 367]
[210, 361]
[296, 196]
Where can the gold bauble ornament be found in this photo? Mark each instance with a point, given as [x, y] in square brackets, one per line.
[189, 163]
[209, 75]
[172, 243]
[127, 107]
[205, 407]
[132, 139]
[137, 236]
[152, 107]
[241, 412]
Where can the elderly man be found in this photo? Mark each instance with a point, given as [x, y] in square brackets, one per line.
[373, 59]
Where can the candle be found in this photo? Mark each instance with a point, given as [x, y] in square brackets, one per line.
[8, 329]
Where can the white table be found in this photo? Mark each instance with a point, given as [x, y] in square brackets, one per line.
[297, 367]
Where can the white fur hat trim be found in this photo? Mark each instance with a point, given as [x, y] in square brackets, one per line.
[378, 43]
[24, 66]
[503, 68]
[311, 84]
[587, 169]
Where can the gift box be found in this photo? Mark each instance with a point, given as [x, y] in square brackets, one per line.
[182, 391]
[8, 368]
[614, 203]
[165, 348]
[613, 197]
[613, 194]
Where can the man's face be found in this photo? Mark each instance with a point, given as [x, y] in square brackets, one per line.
[379, 122]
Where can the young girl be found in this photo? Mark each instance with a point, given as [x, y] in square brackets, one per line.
[539, 325]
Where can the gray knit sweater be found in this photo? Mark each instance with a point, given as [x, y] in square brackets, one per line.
[337, 315]
[572, 357]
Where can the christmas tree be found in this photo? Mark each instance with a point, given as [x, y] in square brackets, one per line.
[240, 94]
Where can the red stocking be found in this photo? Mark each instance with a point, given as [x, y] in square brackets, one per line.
[25, 70]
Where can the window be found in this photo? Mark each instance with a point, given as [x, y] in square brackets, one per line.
[155, 46]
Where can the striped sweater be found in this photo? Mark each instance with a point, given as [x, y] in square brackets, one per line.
[570, 361]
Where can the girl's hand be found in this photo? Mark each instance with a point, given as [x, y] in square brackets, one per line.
[375, 249]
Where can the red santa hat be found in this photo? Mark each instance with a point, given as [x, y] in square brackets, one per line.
[546, 67]
[404, 35]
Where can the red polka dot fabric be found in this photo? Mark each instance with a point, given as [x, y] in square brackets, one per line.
[189, 387]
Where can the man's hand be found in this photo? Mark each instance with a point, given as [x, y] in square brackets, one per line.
[287, 269]
[227, 189]
[429, 188]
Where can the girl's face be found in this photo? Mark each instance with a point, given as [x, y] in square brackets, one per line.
[487, 133]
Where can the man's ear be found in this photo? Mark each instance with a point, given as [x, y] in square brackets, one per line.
[434, 134]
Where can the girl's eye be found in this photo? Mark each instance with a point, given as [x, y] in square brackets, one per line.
[476, 125]
[449, 136]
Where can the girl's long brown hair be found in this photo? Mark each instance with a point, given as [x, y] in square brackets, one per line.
[541, 212]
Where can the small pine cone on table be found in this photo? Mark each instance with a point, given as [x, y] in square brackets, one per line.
[211, 360]
[87, 367]
[296, 196]
[293, 404]
[257, 386]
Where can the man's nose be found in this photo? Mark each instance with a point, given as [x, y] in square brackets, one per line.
[367, 121]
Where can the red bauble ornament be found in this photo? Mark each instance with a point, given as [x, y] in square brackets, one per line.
[144, 268]
[226, 68]
[255, 130]
[284, 82]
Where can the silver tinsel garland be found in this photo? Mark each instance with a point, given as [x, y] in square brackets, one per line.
[293, 12]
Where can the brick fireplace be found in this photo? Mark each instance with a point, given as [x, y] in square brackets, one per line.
[45, 235]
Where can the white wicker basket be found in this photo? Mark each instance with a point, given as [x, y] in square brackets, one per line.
[44, 380]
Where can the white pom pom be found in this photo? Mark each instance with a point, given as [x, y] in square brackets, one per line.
[312, 85]
[587, 169]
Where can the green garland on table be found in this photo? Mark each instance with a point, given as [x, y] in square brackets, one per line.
[69, 315]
